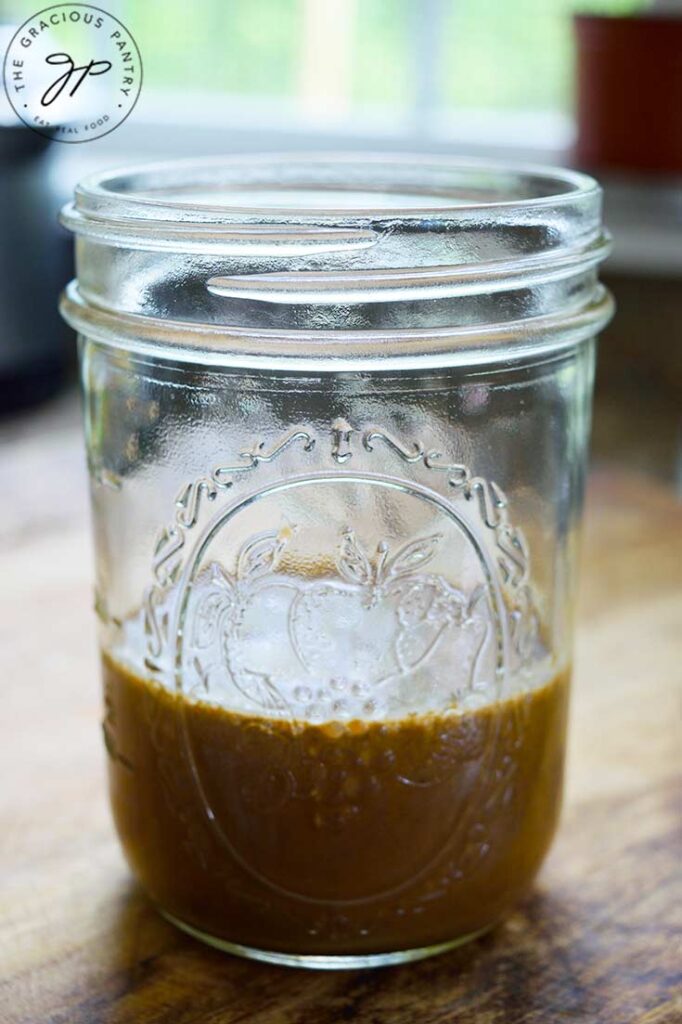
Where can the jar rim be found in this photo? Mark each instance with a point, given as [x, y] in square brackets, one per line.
[491, 249]
[126, 193]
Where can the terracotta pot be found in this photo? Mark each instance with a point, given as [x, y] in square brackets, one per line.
[629, 92]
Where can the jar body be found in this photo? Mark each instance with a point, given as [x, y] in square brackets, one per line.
[336, 617]
[336, 413]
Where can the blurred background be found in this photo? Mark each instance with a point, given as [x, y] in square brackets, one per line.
[595, 84]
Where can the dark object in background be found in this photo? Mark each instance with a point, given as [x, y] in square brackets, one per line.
[34, 266]
[629, 83]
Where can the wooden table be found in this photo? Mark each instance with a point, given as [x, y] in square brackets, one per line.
[597, 941]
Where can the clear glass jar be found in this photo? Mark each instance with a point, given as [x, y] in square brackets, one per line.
[336, 411]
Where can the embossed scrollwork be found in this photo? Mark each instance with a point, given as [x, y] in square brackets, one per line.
[257, 454]
[511, 548]
[513, 556]
[169, 546]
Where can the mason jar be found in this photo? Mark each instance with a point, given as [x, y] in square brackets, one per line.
[336, 415]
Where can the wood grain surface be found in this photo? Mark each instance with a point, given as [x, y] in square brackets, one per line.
[599, 939]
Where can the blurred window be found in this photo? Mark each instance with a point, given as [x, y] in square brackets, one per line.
[337, 60]
[337, 57]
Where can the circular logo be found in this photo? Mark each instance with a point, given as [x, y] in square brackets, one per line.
[72, 72]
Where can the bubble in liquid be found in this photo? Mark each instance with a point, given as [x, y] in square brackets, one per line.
[314, 713]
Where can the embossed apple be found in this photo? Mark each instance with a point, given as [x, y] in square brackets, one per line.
[322, 648]
[382, 619]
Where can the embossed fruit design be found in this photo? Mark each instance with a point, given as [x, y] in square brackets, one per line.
[329, 647]
[381, 619]
[246, 615]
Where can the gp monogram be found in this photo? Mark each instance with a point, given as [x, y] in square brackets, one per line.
[72, 72]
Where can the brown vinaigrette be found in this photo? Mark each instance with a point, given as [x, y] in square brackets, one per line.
[339, 838]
